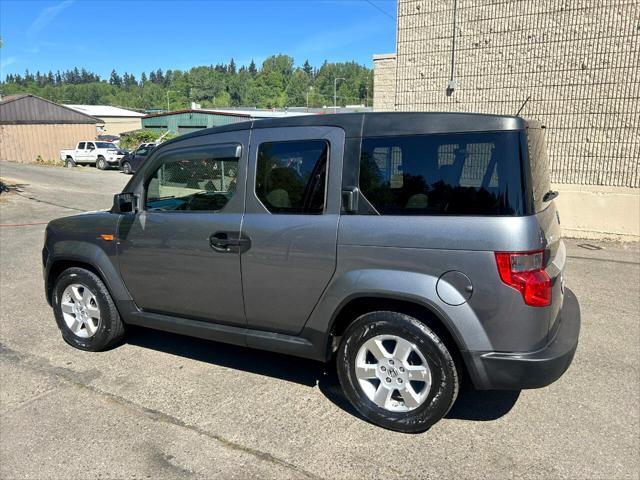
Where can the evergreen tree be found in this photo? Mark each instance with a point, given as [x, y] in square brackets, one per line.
[232, 67]
[308, 69]
[252, 68]
[115, 79]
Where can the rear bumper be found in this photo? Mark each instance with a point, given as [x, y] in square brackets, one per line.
[515, 371]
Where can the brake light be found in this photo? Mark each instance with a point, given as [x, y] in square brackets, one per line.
[524, 271]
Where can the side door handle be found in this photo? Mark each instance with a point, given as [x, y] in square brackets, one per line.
[229, 242]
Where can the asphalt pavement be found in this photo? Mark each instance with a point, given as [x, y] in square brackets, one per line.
[167, 406]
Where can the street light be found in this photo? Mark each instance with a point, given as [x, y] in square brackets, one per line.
[171, 91]
[335, 100]
[310, 89]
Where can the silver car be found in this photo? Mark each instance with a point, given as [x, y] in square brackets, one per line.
[411, 250]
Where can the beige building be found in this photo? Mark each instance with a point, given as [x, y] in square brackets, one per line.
[114, 120]
[32, 128]
[578, 63]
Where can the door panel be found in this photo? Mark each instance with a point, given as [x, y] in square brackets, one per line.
[293, 255]
[165, 253]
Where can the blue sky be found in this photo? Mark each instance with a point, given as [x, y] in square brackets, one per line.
[138, 36]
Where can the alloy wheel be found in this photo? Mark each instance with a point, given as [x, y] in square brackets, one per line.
[80, 310]
[393, 373]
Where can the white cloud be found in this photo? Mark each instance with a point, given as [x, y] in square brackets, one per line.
[47, 16]
[7, 61]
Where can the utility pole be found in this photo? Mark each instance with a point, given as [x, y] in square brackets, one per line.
[335, 92]
[310, 88]
[171, 91]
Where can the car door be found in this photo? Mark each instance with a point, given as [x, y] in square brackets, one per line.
[292, 214]
[179, 254]
[80, 153]
[90, 153]
[139, 156]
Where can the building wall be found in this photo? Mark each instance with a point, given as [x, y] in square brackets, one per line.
[23, 143]
[578, 61]
[188, 121]
[119, 125]
[384, 82]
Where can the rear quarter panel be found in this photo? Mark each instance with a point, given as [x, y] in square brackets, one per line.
[403, 257]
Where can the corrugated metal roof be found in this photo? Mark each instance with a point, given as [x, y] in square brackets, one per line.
[255, 113]
[27, 109]
[233, 113]
[105, 111]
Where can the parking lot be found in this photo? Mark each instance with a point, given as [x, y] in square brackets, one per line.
[167, 406]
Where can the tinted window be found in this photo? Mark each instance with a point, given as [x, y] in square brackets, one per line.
[105, 145]
[81, 146]
[192, 184]
[90, 145]
[453, 174]
[539, 164]
[142, 151]
[291, 176]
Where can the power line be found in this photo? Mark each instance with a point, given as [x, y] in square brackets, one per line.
[384, 12]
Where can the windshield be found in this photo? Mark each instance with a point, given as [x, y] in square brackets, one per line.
[105, 145]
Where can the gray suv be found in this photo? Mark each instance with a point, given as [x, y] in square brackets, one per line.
[412, 249]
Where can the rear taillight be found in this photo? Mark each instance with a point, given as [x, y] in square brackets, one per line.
[524, 271]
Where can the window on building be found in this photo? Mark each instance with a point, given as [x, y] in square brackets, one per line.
[452, 174]
[291, 176]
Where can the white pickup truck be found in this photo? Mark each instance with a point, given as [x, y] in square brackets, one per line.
[100, 154]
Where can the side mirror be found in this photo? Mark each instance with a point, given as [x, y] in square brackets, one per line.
[124, 203]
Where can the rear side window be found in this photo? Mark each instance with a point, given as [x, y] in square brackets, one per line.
[539, 164]
[81, 146]
[452, 174]
[291, 176]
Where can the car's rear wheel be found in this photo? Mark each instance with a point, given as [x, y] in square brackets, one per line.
[69, 163]
[126, 168]
[101, 163]
[85, 312]
[396, 371]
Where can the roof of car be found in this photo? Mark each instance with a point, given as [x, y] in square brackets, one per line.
[381, 124]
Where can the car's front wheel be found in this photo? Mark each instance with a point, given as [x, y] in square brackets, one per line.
[101, 163]
[126, 168]
[85, 312]
[396, 371]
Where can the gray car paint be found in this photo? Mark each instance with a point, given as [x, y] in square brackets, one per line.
[389, 257]
[292, 256]
[161, 253]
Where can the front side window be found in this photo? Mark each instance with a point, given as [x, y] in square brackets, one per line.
[445, 174]
[192, 184]
[142, 151]
[90, 146]
[291, 176]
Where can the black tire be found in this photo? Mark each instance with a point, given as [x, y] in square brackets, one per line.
[69, 163]
[126, 168]
[110, 327]
[445, 378]
[101, 163]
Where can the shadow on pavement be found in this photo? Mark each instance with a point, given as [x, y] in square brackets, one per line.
[470, 405]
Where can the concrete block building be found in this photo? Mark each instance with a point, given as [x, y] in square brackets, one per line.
[576, 61]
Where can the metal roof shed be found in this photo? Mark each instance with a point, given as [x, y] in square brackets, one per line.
[186, 121]
[32, 127]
